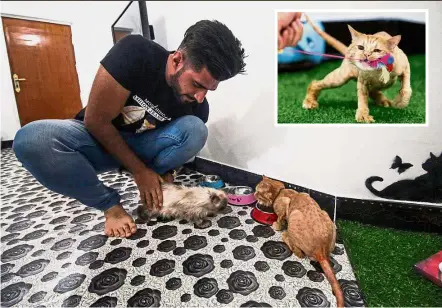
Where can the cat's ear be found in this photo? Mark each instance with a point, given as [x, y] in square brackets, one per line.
[393, 42]
[354, 34]
[432, 155]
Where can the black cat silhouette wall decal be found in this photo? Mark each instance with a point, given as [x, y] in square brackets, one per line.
[424, 188]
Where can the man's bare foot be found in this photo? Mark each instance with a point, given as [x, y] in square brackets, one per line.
[118, 222]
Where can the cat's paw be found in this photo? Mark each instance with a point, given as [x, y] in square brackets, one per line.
[310, 104]
[401, 101]
[276, 226]
[362, 116]
[384, 103]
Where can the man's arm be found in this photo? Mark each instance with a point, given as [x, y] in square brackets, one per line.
[106, 100]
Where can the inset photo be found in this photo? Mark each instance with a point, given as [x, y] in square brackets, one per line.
[352, 67]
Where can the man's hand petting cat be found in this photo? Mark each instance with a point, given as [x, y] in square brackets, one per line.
[149, 185]
[290, 29]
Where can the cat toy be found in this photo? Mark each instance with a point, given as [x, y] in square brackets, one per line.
[384, 63]
[211, 181]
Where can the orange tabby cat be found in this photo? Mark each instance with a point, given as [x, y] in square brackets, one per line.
[310, 231]
[369, 80]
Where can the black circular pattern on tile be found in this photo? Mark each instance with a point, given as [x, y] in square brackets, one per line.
[312, 297]
[195, 242]
[145, 298]
[229, 222]
[59, 220]
[63, 244]
[277, 292]
[69, 283]
[34, 235]
[164, 232]
[237, 234]
[106, 301]
[198, 265]
[250, 221]
[179, 251]
[72, 301]
[116, 242]
[6, 267]
[352, 294]
[64, 255]
[173, 284]
[49, 276]
[13, 242]
[93, 242]
[251, 239]
[32, 268]
[186, 231]
[86, 258]
[242, 282]
[117, 255]
[338, 251]
[185, 297]
[143, 244]
[315, 276]
[47, 240]
[37, 297]
[149, 252]
[276, 250]
[14, 293]
[226, 263]
[293, 269]
[279, 278]
[219, 248]
[224, 240]
[243, 253]
[166, 246]
[261, 266]
[96, 264]
[263, 231]
[224, 296]
[213, 232]
[139, 262]
[205, 287]
[16, 252]
[242, 213]
[204, 225]
[20, 226]
[137, 280]
[107, 281]
[162, 268]
[83, 218]
[140, 233]
[9, 237]
[7, 277]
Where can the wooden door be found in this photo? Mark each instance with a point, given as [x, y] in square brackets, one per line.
[42, 54]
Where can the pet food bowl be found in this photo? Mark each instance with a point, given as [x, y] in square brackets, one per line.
[263, 215]
[212, 181]
[240, 195]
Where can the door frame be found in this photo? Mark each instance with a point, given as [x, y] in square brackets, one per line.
[37, 19]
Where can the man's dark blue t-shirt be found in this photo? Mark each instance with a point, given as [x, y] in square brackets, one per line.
[139, 65]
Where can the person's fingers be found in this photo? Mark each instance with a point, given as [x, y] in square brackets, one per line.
[160, 197]
[148, 200]
[153, 193]
[291, 36]
[298, 30]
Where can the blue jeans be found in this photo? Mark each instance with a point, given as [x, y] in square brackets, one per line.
[65, 158]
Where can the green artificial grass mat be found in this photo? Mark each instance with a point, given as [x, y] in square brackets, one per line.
[338, 105]
[383, 261]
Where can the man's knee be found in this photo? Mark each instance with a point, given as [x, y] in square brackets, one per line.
[196, 131]
[27, 141]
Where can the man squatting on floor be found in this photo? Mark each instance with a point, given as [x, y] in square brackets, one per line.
[146, 112]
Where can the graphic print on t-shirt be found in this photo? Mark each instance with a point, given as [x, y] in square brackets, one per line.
[145, 115]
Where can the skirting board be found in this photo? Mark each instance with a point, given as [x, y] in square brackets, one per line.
[391, 214]
[6, 144]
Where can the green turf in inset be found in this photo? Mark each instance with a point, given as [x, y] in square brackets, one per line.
[339, 105]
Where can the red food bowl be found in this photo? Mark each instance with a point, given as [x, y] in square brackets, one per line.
[263, 215]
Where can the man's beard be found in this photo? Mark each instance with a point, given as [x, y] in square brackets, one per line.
[175, 85]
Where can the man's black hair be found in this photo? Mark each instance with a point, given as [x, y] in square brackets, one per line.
[211, 44]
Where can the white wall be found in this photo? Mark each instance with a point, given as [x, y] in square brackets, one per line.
[242, 131]
[332, 159]
[91, 36]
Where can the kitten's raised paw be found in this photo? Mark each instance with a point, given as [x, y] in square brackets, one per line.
[362, 116]
[310, 104]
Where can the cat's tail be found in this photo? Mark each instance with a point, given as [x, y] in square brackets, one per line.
[369, 184]
[339, 46]
[331, 277]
